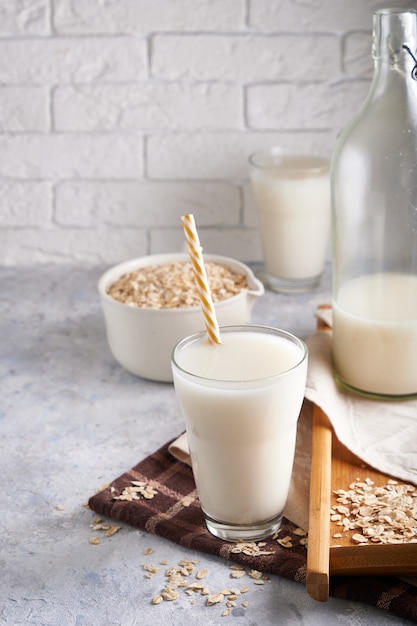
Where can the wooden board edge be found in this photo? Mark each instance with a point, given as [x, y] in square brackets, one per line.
[317, 576]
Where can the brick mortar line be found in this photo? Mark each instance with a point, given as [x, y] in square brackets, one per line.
[148, 35]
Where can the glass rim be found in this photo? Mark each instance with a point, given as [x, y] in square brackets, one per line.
[289, 162]
[394, 10]
[264, 329]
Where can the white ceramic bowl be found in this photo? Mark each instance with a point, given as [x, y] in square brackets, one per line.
[141, 340]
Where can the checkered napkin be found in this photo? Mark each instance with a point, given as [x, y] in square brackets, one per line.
[174, 513]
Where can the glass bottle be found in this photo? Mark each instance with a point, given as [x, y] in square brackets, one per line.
[374, 221]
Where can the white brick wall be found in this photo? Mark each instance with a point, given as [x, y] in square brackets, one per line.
[118, 117]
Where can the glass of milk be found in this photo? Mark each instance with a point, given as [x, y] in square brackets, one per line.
[240, 401]
[292, 195]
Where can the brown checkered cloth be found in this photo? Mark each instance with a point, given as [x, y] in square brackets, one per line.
[174, 513]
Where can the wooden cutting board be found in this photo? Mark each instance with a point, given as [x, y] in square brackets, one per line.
[334, 467]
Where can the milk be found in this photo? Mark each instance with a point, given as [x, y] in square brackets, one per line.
[241, 412]
[293, 204]
[375, 333]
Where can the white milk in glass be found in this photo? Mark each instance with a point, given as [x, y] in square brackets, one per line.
[375, 333]
[293, 201]
[242, 425]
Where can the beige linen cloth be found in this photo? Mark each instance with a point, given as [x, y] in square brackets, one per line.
[383, 433]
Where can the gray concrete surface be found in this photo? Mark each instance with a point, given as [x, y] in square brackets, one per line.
[71, 419]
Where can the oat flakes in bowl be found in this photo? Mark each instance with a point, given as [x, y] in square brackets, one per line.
[151, 303]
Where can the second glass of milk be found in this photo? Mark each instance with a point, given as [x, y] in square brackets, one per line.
[292, 195]
[240, 401]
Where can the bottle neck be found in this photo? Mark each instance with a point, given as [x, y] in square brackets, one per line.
[395, 39]
[394, 51]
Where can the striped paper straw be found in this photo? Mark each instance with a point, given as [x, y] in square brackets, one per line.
[200, 274]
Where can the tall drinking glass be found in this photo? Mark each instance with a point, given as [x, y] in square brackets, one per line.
[240, 401]
[292, 195]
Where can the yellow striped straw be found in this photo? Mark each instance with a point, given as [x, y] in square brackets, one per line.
[200, 274]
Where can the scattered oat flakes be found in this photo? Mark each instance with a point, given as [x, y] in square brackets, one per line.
[109, 529]
[170, 594]
[157, 599]
[196, 586]
[251, 549]
[148, 551]
[254, 573]
[187, 567]
[177, 577]
[342, 509]
[59, 507]
[285, 542]
[381, 514]
[103, 487]
[99, 526]
[94, 541]
[215, 599]
[135, 490]
[112, 530]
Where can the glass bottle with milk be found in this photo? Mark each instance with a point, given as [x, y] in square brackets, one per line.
[374, 214]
